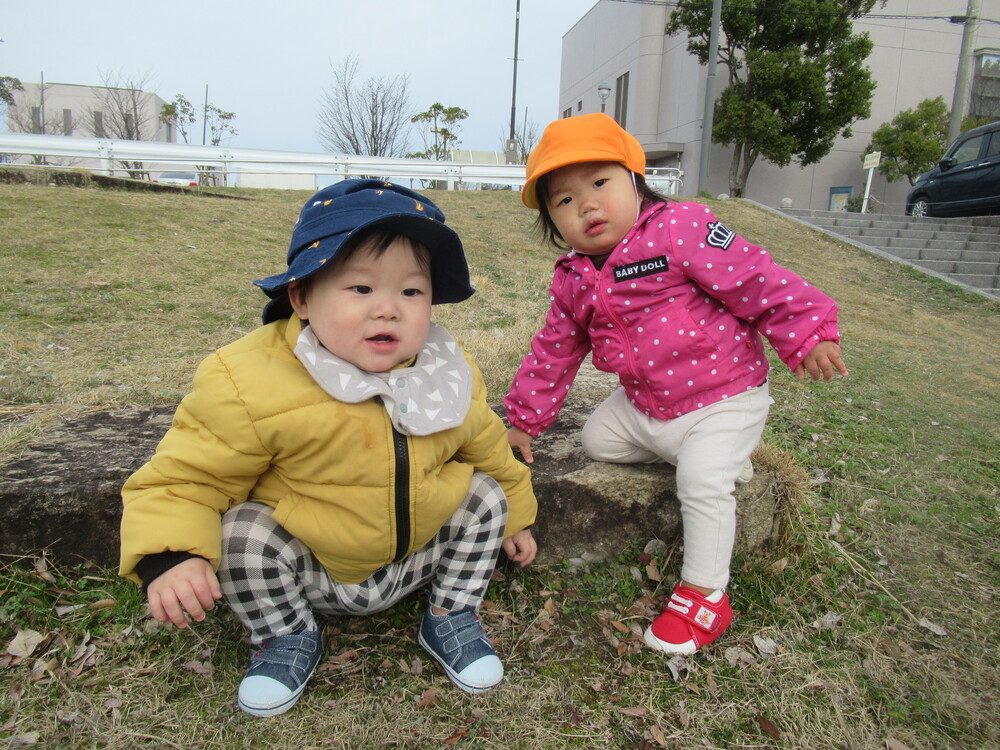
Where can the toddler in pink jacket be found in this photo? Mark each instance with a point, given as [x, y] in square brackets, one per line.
[674, 302]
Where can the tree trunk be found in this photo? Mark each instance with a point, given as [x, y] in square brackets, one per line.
[743, 160]
[749, 159]
[734, 170]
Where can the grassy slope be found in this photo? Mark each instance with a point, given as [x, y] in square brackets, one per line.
[112, 297]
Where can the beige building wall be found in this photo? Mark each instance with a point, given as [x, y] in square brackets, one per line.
[912, 60]
[69, 110]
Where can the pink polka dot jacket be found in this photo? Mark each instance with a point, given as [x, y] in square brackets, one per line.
[675, 311]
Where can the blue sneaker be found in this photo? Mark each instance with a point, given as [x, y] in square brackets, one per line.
[278, 673]
[458, 643]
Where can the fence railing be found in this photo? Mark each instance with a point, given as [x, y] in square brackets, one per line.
[236, 164]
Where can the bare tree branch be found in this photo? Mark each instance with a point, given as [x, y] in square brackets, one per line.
[369, 118]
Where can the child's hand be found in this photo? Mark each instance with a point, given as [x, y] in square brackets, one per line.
[822, 359]
[190, 586]
[521, 548]
[521, 440]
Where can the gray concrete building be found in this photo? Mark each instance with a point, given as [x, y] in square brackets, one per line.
[656, 90]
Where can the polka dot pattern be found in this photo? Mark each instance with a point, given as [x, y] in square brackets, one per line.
[680, 337]
[431, 395]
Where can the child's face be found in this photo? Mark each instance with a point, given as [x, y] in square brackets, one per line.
[373, 311]
[593, 205]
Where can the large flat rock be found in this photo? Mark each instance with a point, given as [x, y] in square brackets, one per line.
[63, 492]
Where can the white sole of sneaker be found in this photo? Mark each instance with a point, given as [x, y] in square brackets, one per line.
[674, 649]
[274, 709]
[452, 674]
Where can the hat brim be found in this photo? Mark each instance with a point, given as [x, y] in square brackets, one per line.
[573, 140]
[450, 281]
[529, 193]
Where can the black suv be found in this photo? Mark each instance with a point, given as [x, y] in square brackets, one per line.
[966, 182]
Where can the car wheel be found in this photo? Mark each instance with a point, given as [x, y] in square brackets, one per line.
[920, 207]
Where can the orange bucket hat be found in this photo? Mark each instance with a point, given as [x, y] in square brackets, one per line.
[572, 140]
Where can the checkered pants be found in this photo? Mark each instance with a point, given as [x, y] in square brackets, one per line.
[274, 583]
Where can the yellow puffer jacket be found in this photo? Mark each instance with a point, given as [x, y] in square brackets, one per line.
[257, 426]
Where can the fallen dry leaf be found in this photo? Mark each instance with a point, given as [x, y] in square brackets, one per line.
[683, 715]
[889, 647]
[739, 655]
[678, 666]
[713, 687]
[204, 668]
[657, 734]
[103, 604]
[459, 734]
[429, 698]
[766, 646]
[64, 609]
[893, 744]
[25, 643]
[634, 711]
[28, 739]
[42, 569]
[767, 727]
[934, 628]
[829, 621]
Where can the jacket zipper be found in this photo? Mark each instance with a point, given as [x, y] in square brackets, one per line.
[622, 332]
[402, 493]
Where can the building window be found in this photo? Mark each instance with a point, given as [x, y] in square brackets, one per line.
[67, 122]
[621, 99]
[579, 106]
[567, 112]
[130, 134]
[99, 125]
[36, 120]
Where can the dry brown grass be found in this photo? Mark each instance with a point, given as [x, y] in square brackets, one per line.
[114, 297]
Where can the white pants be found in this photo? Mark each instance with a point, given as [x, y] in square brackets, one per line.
[709, 447]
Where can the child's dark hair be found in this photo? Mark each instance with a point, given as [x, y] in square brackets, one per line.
[375, 241]
[545, 228]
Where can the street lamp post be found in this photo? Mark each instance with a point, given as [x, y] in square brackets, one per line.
[604, 91]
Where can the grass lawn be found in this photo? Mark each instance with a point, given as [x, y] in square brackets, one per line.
[873, 626]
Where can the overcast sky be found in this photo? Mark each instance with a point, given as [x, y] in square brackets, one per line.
[269, 62]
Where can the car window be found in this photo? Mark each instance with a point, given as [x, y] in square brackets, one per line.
[969, 150]
[994, 148]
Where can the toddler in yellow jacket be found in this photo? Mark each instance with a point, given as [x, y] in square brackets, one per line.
[339, 457]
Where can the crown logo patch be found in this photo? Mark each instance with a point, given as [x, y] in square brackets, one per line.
[719, 235]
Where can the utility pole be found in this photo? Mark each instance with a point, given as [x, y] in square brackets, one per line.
[962, 79]
[204, 118]
[512, 139]
[708, 118]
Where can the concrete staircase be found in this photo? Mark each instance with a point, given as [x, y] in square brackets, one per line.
[965, 251]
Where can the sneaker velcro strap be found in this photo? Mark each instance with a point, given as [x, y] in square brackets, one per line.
[289, 650]
[695, 611]
[457, 637]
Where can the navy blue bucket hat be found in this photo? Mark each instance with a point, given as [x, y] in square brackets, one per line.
[335, 213]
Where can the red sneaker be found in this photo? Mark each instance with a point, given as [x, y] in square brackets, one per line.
[689, 621]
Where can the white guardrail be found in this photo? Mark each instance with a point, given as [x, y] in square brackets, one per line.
[235, 164]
